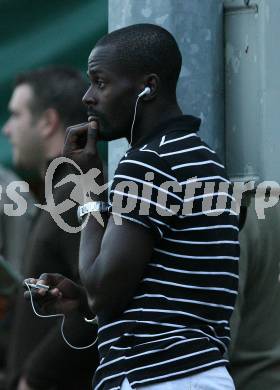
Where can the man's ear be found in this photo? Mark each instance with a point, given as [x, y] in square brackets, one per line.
[152, 81]
[49, 122]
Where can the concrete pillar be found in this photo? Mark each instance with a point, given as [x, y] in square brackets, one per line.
[198, 28]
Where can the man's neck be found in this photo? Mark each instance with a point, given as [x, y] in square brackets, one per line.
[46, 164]
[53, 148]
[152, 119]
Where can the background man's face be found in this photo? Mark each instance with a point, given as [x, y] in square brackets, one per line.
[21, 128]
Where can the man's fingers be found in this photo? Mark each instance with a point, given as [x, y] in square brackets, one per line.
[35, 294]
[75, 131]
[52, 305]
[29, 281]
[50, 279]
[27, 295]
[80, 145]
[92, 136]
[48, 303]
[76, 126]
[44, 279]
[55, 293]
[75, 139]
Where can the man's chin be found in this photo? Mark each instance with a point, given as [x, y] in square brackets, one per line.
[105, 135]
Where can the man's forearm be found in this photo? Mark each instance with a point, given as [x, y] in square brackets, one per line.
[90, 245]
[91, 237]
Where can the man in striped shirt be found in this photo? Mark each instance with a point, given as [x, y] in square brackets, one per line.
[162, 273]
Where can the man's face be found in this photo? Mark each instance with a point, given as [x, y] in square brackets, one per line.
[112, 94]
[21, 128]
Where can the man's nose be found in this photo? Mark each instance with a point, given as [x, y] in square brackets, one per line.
[88, 98]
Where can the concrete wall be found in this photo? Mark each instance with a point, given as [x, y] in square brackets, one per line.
[198, 28]
[252, 89]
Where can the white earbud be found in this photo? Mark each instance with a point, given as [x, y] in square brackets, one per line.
[146, 91]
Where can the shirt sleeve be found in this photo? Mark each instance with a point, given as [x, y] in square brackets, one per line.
[144, 191]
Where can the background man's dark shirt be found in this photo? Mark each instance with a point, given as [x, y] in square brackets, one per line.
[37, 350]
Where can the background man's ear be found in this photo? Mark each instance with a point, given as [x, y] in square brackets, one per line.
[49, 122]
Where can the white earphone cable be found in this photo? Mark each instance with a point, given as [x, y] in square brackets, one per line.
[134, 117]
[62, 323]
[146, 91]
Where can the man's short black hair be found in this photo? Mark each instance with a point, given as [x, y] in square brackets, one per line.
[147, 48]
[60, 88]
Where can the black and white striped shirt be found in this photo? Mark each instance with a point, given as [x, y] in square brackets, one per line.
[177, 324]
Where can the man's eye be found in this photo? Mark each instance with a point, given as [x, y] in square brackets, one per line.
[100, 84]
